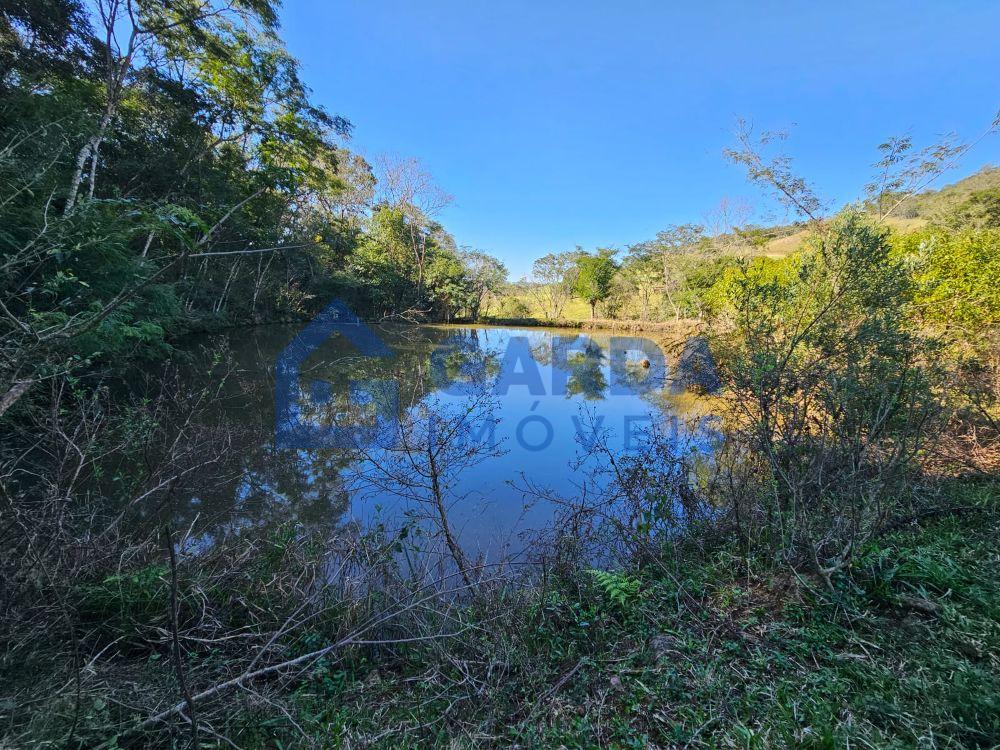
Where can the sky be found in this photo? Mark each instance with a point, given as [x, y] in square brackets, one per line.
[555, 124]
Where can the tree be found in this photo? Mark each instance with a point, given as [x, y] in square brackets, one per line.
[641, 275]
[552, 276]
[724, 223]
[670, 248]
[957, 279]
[775, 173]
[487, 276]
[902, 173]
[187, 157]
[42, 37]
[594, 277]
[980, 210]
[409, 188]
[833, 391]
[230, 47]
[448, 283]
[756, 238]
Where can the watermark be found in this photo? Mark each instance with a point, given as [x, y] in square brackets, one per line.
[298, 423]
[311, 413]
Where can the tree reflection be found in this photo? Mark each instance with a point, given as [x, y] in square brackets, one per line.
[586, 372]
[263, 486]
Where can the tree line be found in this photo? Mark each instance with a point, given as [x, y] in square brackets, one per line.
[686, 270]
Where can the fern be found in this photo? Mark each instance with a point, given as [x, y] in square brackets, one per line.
[620, 588]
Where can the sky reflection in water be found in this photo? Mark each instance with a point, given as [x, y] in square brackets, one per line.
[549, 395]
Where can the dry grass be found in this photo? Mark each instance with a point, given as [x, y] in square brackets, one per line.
[783, 246]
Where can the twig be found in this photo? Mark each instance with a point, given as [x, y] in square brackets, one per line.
[178, 663]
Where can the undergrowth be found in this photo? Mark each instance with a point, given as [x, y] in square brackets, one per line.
[705, 652]
[701, 646]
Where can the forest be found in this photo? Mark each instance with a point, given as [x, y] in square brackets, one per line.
[831, 578]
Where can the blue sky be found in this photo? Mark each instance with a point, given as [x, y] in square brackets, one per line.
[597, 123]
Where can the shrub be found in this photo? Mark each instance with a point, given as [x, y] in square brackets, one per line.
[956, 278]
[831, 393]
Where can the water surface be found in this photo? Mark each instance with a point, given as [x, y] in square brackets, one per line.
[550, 404]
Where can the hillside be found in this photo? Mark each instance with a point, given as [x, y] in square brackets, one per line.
[932, 204]
[915, 212]
[782, 246]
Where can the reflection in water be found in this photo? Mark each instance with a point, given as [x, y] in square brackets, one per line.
[587, 373]
[550, 396]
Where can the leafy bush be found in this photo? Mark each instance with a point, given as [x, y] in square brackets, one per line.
[619, 588]
[956, 278]
[831, 392]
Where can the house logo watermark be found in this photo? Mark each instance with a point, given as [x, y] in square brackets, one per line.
[313, 414]
[294, 426]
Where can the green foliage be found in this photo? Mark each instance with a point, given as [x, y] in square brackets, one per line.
[448, 279]
[620, 588]
[831, 379]
[594, 276]
[755, 237]
[968, 203]
[763, 272]
[698, 296]
[551, 283]
[486, 280]
[181, 177]
[956, 277]
[127, 603]
[136, 194]
[640, 278]
[716, 649]
[981, 210]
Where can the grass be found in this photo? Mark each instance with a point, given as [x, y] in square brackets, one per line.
[704, 649]
[520, 307]
[576, 310]
[782, 246]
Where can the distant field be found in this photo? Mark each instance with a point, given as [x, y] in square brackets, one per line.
[575, 310]
[784, 245]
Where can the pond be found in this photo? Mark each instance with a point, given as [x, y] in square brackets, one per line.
[491, 426]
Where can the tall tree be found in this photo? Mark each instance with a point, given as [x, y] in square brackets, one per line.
[486, 275]
[670, 248]
[641, 275]
[408, 187]
[552, 278]
[594, 277]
